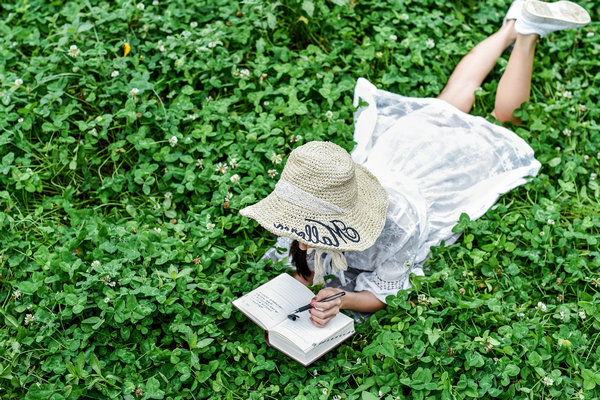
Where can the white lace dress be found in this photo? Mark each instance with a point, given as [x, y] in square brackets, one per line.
[435, 162]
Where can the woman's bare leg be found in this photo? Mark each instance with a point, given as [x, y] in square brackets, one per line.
[515, 85]
[475, 66]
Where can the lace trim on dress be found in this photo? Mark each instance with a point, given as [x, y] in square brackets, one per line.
[388, 285]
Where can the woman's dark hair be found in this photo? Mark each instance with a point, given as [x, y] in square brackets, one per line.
[299, 259]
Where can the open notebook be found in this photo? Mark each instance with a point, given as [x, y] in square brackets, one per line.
[269, 305]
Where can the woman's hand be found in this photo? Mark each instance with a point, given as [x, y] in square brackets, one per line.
[324, 312]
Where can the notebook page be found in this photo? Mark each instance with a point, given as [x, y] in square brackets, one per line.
[305, 335]
[270, 303]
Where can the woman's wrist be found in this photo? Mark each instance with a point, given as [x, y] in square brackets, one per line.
[363, 301]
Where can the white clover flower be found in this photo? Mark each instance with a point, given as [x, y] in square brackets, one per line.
[210, 226]
[324, 390]
[586, 157]
[161, 47]
[244, 74]
[155, 3]
[73, 51]
[114, 74]
[173, 141]
[168, 195]
[29, 319]
[18, 82]
[17, 294]
[568, 94]
[547, 381]
[222, 168]
[393, 37]
[319, 76]
[96, 264]
[403, 17]
[329, 114]
[141, 6]
[75, 69]
[422, 299]
[133, 92]
[542, 233]
[541, 306]
[379, 54]
[233, 163]
[430, 43]
[276, 158]
[336, 397]
[557, 148]
[520, 314]
[551, 222]
[193, 24]
[380, 393]
[593, 176]
[582, 314]
[228, 196]
[200, 163]
[589, 34]
[107, 300]
[234, 178]
[209, 99]
[29, 170]
[192, 117]
[20, 120]
[566, 132]
[186, 34]
[157, 230]
[582, 108]
[212, 45]
[272, 172]
[358, 361]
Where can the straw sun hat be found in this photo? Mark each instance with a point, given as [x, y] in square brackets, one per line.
[324, 200]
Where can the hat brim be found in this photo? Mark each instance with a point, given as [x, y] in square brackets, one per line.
[354, 230]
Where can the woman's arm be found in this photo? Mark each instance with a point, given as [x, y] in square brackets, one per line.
[364, 301]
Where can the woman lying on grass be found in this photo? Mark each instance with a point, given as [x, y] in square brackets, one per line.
[371, 217]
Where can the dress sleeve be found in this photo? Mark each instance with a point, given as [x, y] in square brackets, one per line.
[396, 254]
[280, 252]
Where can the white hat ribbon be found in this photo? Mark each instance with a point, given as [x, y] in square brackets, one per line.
[338, 264]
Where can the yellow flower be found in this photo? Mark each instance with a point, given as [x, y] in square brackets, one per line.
[126, 49]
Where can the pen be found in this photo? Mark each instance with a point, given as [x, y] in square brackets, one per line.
[308, 306]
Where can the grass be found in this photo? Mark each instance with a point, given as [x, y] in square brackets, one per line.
[122, 246]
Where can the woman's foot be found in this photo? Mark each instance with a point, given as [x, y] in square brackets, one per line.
[541, 18]
[514, 11]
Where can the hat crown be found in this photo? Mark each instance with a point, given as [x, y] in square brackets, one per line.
[325, 170]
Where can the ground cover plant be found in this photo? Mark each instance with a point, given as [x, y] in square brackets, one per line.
[132, 133]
